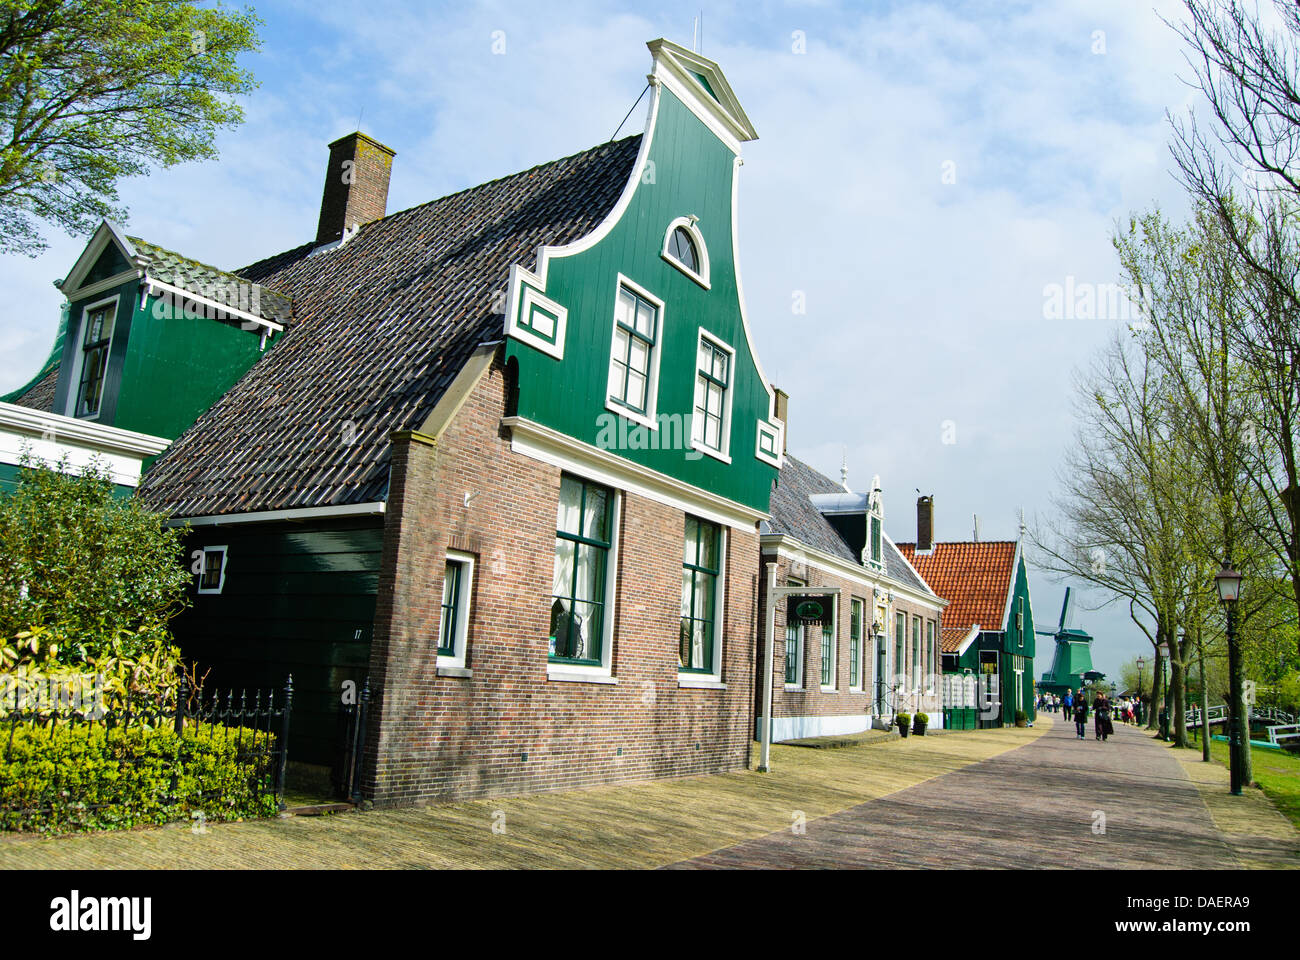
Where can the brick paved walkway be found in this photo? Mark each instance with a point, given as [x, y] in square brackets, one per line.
[1033, 807]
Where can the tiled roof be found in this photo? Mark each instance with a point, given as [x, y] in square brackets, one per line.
[974, 578]
[950, 638]
[382, 326]
[40, 395]
[794, 515]
[211, 282]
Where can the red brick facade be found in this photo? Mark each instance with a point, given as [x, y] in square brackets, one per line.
[509, 729]
[811, 702]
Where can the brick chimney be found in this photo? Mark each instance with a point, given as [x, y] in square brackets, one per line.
[356, 185]
[782, 413]
[924, 524]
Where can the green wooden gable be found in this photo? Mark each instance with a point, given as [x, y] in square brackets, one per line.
[562, 319]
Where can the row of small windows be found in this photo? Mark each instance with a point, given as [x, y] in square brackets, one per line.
[924, 656]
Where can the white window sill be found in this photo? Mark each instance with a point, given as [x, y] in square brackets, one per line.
[794, 686]
[447, 670]
[699, 446]
[695, 682]
[577, 675]
[830, 689]
[647, 420]
[702, 281]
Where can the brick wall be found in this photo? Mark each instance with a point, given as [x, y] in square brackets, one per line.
[810, 700]
[443, 737]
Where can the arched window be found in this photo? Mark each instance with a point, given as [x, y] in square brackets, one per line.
[684, 249]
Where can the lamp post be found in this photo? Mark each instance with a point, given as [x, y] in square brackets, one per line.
[1141, 705]
[1228, 582]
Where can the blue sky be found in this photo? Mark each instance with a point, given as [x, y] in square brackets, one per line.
[924, 171]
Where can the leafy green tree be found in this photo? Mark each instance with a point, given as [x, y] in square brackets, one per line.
[92, 91]
[85, 575]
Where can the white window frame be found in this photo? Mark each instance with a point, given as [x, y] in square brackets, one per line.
[834, 686]
[647, 419]
[79, 357]
[724, 435]
[701, 251]
[803, 643]
[862, 630]
[714, 677]
[591, 673]
[225, 559]
[455, 661]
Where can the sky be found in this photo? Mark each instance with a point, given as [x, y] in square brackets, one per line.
[924, 174]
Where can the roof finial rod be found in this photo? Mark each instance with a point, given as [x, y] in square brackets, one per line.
[844, 470]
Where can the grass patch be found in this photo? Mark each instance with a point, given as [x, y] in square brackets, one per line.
[1277, 773]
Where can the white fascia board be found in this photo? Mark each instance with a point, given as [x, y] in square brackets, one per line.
[676, 63]
[1011, 589]
[153, 283]
[902, 556]
[271, 516]
[781, 545]
[106, 232]
[962, 647]
[40, 423]
[541, 443]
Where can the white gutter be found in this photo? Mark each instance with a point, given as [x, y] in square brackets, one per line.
[153, 283]
[270, 516]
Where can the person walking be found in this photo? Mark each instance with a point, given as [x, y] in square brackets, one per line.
[1080, 714]
[1067, 706]
[1101, 718]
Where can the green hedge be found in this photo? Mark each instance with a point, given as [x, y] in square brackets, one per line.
[90, 777]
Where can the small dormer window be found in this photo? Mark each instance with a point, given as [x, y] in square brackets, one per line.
[92, 362]
[684, 249]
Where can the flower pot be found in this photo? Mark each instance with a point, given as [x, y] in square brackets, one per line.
[902, 730]
[918, 728]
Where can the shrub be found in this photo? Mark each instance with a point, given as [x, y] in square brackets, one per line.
[902, 719]
[66, 778]
[1022, 717]
[88, 579]
[923, 718]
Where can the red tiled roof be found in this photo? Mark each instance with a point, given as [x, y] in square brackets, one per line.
[974, 578]
[950, 638]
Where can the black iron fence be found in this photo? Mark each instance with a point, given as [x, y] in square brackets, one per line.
[130, 760]
[346, 774]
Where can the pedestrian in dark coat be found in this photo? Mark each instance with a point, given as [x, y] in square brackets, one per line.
[1101, 718]
[1080, 714]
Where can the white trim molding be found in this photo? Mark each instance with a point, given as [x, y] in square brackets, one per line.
[729, 392]
[646, 419]
[50, 437]
[701, 250]
[203, 569]
[460, 645]
[542, 443]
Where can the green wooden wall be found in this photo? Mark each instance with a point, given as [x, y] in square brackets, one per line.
[692, 175]
[297, 599]
[164, 371]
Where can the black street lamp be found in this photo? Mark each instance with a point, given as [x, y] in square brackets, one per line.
[1141, 706]
[1228, 582]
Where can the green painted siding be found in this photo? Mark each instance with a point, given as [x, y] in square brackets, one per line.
[692, 175]
[297, 599]
[163, 372]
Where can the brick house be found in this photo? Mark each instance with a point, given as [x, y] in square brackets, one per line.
[505, 456]
[880, 657]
